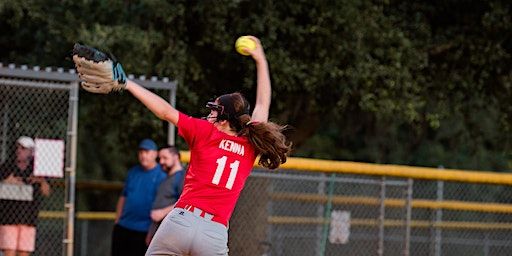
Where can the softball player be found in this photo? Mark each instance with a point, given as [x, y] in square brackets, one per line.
[223, 149]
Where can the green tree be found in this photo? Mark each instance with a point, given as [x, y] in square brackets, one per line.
[380, 81]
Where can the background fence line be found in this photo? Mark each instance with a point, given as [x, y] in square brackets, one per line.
[295, 213]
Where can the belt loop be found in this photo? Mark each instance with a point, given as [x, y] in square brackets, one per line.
[197, 212]
[208, 216]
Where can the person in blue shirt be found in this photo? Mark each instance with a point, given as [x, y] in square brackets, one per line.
[134, 206]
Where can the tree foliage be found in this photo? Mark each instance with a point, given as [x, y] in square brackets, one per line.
[410, 82]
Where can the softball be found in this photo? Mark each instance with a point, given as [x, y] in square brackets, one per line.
[244, 42]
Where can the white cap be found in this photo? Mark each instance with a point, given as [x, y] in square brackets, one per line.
[26, 142]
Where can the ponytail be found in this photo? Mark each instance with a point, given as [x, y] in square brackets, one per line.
[268, 140]
[266, 137]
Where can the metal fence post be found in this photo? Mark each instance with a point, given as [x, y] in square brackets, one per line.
[171, 130]
[438, 217]
[382, 211]
[320, 210]
[69, 204]
[408, 208]
[327, 215]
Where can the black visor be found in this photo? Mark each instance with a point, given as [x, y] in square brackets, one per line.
[214, 106]
[226, 109]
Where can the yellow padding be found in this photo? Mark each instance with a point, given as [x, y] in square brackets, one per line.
[393, 202]
[79, 215]
[281, 220]
[96, 215]
[277, 220]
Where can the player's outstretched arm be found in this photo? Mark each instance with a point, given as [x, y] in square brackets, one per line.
[161, 108]
[263, 90]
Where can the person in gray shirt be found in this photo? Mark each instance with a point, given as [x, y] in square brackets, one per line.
[169, 190]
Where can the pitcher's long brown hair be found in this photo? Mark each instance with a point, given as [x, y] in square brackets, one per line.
[266, 137]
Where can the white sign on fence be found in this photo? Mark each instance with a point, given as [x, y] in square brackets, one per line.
[49, 158]
[16, 192]
[340, 227]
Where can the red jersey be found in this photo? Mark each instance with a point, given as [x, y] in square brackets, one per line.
[219, 165]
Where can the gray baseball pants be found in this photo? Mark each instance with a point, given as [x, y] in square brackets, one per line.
[187, 233]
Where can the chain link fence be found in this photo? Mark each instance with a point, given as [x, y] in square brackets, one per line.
[298, 208]
[38, 110]
[290, 213]
[43, 104]
[294, 212]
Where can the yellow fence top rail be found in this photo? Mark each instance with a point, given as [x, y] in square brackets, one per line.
[402, 171]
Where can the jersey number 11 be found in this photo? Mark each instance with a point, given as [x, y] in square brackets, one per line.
[221, 164]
